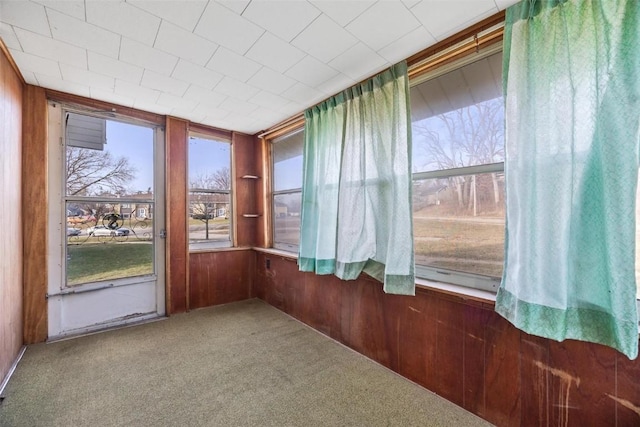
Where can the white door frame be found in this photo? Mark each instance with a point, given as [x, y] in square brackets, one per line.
[134, 299]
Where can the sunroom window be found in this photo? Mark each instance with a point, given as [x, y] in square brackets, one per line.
[209, 193]
[458, 179]
[287, 190]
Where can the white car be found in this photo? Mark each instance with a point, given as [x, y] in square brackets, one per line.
[101, 230]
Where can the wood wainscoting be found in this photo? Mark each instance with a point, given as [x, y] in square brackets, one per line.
[220, 277]
[461, 350]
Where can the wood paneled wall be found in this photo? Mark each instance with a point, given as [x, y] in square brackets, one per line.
[244, 154]
[11, 302]
[462, 350]
[177, 254]
[35, 199]
[220, 277]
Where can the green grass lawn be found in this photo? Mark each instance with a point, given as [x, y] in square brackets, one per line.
[92, 262]
[471, 246]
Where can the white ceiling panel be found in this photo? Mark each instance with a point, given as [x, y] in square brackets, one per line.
[63, 86]
[112, 67]
[110, 96]
[74, 8]
[302, 94]
[285, 19]
[201, 76]
[237, 106]
[311, 72]
[238, 6]
[138, 92]
[336, 84]
[235, 89]
[269, 100]
[47, 47]
[185, 14]
[233, 65]
[33, 63]
[123, 18]
[176, 102]
[86, 77]
[274, 53]
[202, 96]
[9, 37]
[359, 62]
[405, 46]
[139, 54]
[443, 22]
[79, 33]
[342, 11]
[224, 27]
[26, 15]
[324, 39]
[184, 44]
[382, 24]
[241, 65]
[163, 83]
[271, 81]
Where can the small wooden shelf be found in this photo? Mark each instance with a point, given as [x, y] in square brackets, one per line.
[250, 177]
[251, 215]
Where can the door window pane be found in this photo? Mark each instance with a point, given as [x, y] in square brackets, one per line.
[109, 199]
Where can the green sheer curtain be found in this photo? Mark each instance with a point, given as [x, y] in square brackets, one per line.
[356, 194]
[572, 87]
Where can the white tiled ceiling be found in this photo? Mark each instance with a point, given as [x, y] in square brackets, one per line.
[241, 65]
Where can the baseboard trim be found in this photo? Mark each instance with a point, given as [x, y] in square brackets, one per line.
[11, 370]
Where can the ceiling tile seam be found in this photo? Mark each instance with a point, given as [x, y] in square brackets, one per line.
[356, 17]
[15, 35]
[420, 24]
[420, 21]
[79, 20]
[46, 13]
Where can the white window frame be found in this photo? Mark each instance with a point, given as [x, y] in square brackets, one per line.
[289, 247]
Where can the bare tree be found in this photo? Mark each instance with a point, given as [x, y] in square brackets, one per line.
[204, 203]
[92, 172]
[217, 180]
[464, 137]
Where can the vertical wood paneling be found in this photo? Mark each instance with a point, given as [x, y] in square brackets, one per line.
[220, 277]
[11, 277]
[34, 199]
[581, 379]
[627, 394]
[177, 254]
[244, 153]
[450, 354]
[475, 323]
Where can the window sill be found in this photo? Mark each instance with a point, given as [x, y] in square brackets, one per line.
[461, 292]
[220, 249]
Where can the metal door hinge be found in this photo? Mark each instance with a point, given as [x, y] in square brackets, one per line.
[163, 234]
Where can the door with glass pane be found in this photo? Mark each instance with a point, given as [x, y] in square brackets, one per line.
[106, 221]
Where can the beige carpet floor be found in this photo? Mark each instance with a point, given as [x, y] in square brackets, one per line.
[241, 364]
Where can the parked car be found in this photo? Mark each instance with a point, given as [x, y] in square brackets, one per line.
[73, 232]
[101, 230]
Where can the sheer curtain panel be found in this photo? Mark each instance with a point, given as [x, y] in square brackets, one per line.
[572, 87]
[356, 195]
